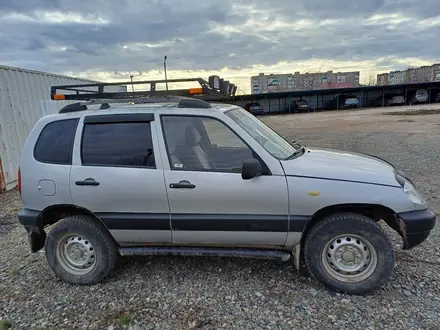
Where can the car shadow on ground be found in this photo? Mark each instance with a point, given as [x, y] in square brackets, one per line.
[270, 275]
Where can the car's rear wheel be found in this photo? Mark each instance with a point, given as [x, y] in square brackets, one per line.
[80, 250]
[349, 253]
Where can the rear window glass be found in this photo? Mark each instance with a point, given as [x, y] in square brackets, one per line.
[118, 144]
[55, 143]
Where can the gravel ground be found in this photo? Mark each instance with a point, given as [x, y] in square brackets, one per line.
[214, 293]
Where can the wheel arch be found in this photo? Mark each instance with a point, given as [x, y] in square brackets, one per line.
[375, 212]
[55, 213]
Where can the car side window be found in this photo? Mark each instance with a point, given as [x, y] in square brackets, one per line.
[203, 144]
[126, 144]
[220, 135]
[55, 143]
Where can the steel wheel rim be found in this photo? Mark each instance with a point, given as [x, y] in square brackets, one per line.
[76, 254]
[349, 258]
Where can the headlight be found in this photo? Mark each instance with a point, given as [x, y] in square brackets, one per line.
[412, 194]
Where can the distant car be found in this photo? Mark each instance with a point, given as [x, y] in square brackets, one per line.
[397, 100]
[421, 96]
[343, 101]
[388, 100]
[304, 105]
[300, 105]
[255, 108]
[351, 102]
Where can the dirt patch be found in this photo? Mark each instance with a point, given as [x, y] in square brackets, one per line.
[420, 112]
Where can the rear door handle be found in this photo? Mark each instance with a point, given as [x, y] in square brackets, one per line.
[182, 184]
[87, 182]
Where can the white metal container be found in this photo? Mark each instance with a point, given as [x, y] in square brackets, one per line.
[24, 98]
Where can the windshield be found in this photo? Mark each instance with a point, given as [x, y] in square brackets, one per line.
[263, 134]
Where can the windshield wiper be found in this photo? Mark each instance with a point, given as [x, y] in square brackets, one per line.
[297, 153]
[296, 144]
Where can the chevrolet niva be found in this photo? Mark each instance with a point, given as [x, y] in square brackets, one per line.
[183, 176]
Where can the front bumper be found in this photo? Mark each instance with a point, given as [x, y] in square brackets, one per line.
[415, 226]
[31, 221]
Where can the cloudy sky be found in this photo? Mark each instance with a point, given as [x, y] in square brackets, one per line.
[112, 39]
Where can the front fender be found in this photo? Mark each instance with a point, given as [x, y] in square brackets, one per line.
[308, 195]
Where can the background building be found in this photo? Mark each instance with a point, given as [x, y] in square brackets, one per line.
[303, 81]
[412, 75]
[24, 98]
[382, 79]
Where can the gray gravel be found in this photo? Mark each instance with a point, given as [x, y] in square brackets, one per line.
[214, 293]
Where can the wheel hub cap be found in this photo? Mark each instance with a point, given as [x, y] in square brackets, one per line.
[76, 254]
[349, 258]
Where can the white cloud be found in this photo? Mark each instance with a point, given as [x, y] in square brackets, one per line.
[109, 39]
[53, 17]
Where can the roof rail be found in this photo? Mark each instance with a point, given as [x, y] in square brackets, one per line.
[96, 91]
[181, 102]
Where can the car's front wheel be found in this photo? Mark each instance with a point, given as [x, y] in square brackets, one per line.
[80, 250]
[349, 253]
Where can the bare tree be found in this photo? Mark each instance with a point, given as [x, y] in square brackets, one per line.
[371, 78]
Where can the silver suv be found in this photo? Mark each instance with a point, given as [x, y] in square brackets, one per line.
[184, 176]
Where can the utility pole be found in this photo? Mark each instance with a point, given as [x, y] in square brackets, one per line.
[132, 86]
[165, 68]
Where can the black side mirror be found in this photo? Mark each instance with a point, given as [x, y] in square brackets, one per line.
[251, 168]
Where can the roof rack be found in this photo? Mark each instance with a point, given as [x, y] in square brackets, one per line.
[96, 91]
[181, 102]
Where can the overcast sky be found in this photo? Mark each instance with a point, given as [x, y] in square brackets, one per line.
[111, 39]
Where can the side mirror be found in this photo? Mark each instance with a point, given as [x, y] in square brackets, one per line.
[251, 168]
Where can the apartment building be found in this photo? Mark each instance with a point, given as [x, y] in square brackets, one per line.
[412, 75]
[288, 82]
[397, 77]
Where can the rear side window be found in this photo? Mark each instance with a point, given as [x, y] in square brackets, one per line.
[55, 143]
[118, 144]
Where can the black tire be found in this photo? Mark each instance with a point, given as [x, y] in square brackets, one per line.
[369, 231]
[104, 248]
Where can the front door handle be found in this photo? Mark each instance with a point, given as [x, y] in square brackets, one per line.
[87, 182]
[182, 184]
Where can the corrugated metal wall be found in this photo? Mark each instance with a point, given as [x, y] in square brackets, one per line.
[24, 98]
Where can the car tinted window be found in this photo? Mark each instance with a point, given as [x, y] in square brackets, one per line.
[203, 144]
[118, 144]
[55, 143]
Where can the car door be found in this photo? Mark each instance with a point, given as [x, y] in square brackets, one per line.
[117, 174]
[209, 201]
